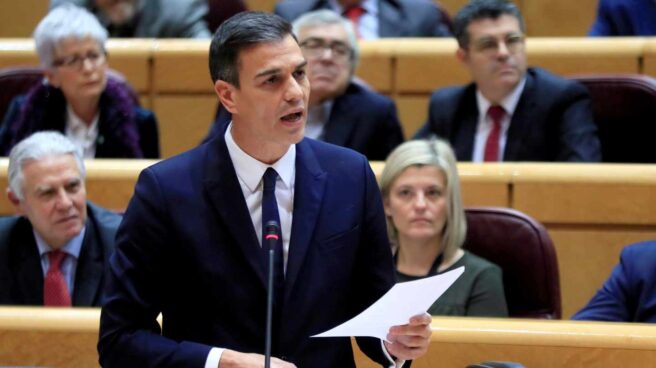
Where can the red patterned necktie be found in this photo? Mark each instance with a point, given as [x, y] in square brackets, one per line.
[496, 113]
[354, 13]
[55, 291]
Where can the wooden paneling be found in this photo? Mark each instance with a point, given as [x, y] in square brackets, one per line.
[181, 66]
[584, 194]
[649, 60]
[458, 342]
[586, 256]
[375, 67]
[18, 18]
[423, 65]
[52, 337]
[558, 18]
[564, 56]
[413, 112]
[184, 121]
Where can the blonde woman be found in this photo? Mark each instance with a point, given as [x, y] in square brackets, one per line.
[427, 227]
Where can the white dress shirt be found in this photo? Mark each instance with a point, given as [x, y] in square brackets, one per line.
[317, 118]
[484, 126]
[83, 136]
[249, 172]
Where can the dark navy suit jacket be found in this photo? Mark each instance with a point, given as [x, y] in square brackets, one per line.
[396, 18]
[625, 18]
[360, 119]
[21, 275]
[187, 249]
[629, 294]
[552, 121]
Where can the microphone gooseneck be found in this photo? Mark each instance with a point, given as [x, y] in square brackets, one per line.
[272, 231]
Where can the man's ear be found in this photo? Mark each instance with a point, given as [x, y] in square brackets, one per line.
[14, 201]
[227, 96]
[461, 55]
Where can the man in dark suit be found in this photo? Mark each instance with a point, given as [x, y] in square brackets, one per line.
[509, 113]
[191, 244]
[55, 253]
[342, 111]
[629, 294]
[395, 18]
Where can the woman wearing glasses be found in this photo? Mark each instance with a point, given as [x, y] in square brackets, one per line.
[76, 97]
[427, 226]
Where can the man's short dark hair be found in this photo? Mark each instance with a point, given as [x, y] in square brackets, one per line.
[482, 9]
[243, 30]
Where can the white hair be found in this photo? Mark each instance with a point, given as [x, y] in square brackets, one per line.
[326, 17]
[65, 22]
[35, 147]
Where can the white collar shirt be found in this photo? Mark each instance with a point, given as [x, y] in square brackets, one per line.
[83, 136]
[484, 125]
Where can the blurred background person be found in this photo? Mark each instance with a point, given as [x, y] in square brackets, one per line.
[220, 10]
[427, 228]
[509, 112]
[56, 251]
[629, 294]
[377, 18]
[342, 110]
[99, 114]
[625, 18]
[148, 18]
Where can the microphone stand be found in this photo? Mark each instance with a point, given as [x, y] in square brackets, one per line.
[271, 238]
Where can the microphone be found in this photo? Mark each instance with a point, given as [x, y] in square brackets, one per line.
[272, 229]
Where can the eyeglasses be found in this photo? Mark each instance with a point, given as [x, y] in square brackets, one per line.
[76, 61]
[316, 47]
[514, 42]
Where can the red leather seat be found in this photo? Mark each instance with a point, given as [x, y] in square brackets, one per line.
[524, 251]
[624, 109]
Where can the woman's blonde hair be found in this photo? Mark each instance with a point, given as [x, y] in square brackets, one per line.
[438, 153]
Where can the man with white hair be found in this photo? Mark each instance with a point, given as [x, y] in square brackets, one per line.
[56, 251]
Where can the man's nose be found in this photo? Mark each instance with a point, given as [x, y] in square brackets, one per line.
[64, 200]
[294, 90]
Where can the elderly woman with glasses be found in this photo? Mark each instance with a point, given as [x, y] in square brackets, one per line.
[99, 114]
[427, 226]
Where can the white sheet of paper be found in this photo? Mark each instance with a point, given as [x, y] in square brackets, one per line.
[402, 301]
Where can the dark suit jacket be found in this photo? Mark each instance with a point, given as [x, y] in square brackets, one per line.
[187, 249]
[21, 275]
[396, 18]
[629, 294]
[625, 18]
[552, 121]
[360, 119]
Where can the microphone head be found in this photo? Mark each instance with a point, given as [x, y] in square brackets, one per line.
[272, 228]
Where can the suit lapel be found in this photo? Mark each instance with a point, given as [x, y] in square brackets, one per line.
[88, 276]
[340, 125]
[463, 139]
[29, 273]
[520, 122]
[308, 194]
[221, 186]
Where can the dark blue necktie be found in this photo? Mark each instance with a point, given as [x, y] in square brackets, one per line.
[270, 213]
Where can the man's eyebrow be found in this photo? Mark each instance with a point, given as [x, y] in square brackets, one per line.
[278, 70]
[267, 72]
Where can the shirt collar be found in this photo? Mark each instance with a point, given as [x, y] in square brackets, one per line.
[509, 103]
[72, 248]
[250, 170]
